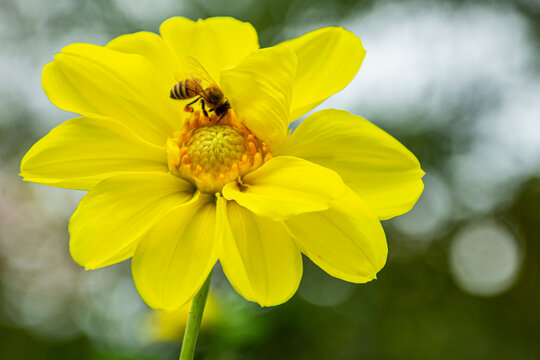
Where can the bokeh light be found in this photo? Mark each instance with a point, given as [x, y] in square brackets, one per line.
[485, 259]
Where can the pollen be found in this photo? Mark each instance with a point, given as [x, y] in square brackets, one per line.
[211, 153]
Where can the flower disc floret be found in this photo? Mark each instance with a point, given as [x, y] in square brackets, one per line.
[211, 154]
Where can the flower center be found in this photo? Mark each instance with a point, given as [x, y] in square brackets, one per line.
[211, 154]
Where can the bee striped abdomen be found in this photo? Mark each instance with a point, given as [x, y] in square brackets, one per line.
[186, 89]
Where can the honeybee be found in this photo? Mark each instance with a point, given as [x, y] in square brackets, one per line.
[200, 85]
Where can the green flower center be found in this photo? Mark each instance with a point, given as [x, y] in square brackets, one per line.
[216, 148]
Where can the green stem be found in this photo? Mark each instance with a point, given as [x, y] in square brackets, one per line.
[194, 321]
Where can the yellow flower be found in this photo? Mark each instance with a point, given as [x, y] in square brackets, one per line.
[179, 191]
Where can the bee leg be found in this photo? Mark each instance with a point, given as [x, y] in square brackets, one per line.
[203, 108]
[221, 117]
[194, 101]
[188, 107]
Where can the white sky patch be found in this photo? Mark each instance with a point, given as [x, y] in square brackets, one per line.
[423, 55]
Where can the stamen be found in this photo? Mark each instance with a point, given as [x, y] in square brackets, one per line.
[183, 151]
[252, 148]
[257, 159]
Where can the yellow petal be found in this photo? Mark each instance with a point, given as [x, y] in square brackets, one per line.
[152, 47]
[89, 79]
[374, 164]
[111, 218]
[259, 90]
[175, 257]
[217, 43]
[83, 151]
[259, 257]
[347, 240]
[286, 186]
[328, 59]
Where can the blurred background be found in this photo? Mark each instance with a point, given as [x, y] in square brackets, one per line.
[458, 82]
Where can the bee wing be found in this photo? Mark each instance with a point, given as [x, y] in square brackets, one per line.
[197, 71]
